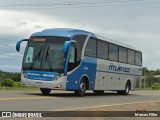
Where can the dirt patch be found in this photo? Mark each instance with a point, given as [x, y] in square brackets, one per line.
[147, 106]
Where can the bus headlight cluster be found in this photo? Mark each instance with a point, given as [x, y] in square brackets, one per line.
[58, 76]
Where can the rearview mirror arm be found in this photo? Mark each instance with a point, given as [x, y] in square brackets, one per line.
[19, 43]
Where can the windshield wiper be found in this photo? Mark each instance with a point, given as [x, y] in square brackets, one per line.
[49, 61]
[47, 54]
[37, 57]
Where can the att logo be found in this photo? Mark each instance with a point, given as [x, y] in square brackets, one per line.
[119, 68]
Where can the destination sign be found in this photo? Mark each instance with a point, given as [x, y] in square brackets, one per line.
[39, 39]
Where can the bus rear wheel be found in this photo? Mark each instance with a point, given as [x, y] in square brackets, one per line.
[98, 92]
[126, 91]
[82, 89]
[45, 91]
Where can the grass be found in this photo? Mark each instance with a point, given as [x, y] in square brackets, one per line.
[18, 88]
[147, 89]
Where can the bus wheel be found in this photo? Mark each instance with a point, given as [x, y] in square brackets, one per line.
[82, 89]
[45, 91]
[126, 91]
[98, 92]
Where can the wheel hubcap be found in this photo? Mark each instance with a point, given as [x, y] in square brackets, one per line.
[127, 89]
[82, 87]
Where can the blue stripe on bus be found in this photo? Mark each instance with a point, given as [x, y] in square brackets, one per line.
[117, 73]
[40, 75]
[89, 63]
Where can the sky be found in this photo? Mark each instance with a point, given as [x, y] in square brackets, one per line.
[133, 22]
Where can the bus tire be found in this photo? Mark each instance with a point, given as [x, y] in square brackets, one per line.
[82, 89]
[126, 91]
[45, 91]
[98, 92]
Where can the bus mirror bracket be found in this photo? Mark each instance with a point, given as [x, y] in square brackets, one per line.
[66, 50]
[67, 44]
[18, 44]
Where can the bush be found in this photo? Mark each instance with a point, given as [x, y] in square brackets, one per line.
[7, 83]
[155, 86]
[17, 84]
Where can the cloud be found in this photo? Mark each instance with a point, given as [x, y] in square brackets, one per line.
[3, 46]
[137, 26]
[11, 56]
[5, 56]
[27, 23]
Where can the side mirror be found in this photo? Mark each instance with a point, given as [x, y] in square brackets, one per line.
[18, 44]
[67, 45]
[66, 50]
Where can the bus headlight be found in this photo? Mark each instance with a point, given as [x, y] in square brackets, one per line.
[58, 76]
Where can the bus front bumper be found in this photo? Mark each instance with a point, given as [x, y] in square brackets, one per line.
[60, 83]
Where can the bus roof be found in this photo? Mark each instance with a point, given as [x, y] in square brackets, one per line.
[69, 32]
[62, 32]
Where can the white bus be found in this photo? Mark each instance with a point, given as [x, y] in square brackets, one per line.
[78, 60]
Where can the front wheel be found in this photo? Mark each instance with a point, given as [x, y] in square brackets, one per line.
[126, 91]
[82, 89]
[45, 91]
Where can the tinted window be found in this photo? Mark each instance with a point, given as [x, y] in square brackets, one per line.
[113, 52]
[80, 42]
[53, 55]
[72, 55]
[91, 48]
[138, 58]
[102, 51]
[45, 53]
[131, 57]
[123, 54]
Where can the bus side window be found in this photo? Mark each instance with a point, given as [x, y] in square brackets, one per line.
[73, 59]
[113, 52]
[91, 48]
[131, 57]
[138, 59]
[122, 54]
[72, 55]
[102, 51]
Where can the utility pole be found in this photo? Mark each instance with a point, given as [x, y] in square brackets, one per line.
[144, 79]
[144, 82]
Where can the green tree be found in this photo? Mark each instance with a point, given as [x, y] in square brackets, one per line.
[7, 82]
[155, 86]
[149, 80]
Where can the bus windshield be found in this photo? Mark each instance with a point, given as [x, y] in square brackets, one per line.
[45, 54]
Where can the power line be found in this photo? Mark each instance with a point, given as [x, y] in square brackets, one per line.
[144, 3]
[78, 4]
[68, 3]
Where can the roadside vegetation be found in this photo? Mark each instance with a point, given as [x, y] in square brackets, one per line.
[151, 79]
[11, 80]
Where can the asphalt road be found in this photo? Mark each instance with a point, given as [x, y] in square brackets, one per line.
[62, 100]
